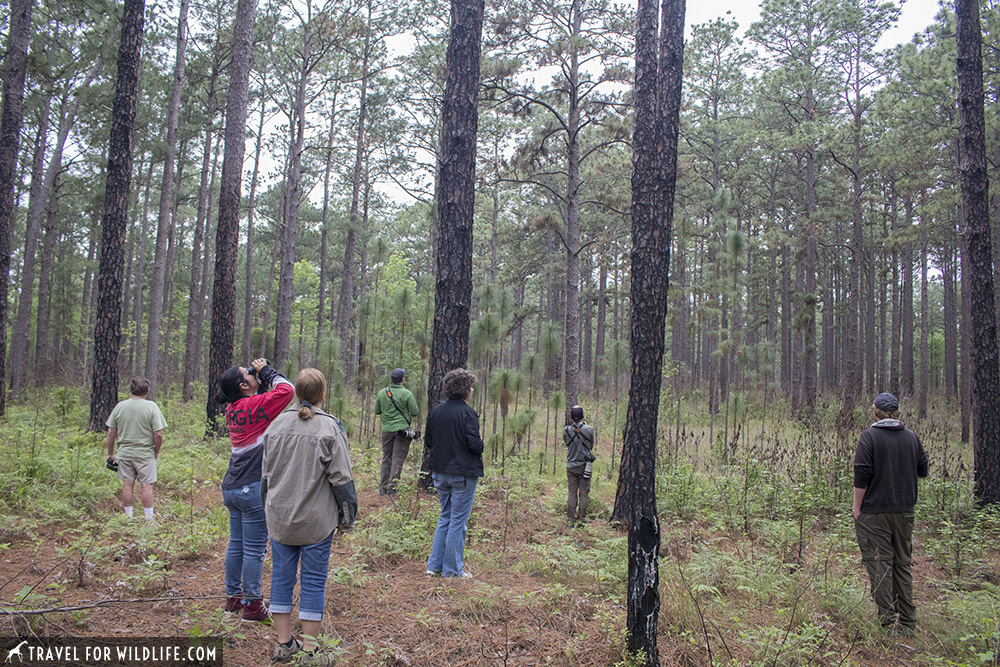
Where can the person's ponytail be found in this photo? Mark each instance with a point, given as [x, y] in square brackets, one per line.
[310, 386]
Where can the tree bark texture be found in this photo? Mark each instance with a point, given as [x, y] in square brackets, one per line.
[456, 196]
[227, 234]
[14, 67]
[975, 196]
[654, 173]
[107, 328]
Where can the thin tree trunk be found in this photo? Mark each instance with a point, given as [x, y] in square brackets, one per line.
[19, 353]
[906, 313]
[160, 264]
[251, 203]
[51, 236]
[227, 234]
[950, 324]
[196, 304]
[925, 331]
[293, 196]
[139, 284]
[320, 314]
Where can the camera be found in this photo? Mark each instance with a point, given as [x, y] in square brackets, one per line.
[111, 464]
[411, 433]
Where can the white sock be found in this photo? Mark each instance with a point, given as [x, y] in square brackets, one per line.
[128, 510]
[148, 511]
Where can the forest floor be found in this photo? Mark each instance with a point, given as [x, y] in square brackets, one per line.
[755, 568]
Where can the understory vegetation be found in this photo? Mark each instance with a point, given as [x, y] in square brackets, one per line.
[758, 563]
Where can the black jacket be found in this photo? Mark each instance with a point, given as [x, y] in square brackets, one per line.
[887, 463]
[451, 436]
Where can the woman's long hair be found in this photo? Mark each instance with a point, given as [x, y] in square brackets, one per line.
[310, 386]
[229, 386]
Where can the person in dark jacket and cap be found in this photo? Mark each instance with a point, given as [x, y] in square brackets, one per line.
[455, 459]
[887, 463]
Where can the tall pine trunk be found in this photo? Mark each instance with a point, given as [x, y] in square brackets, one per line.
[456, 196]
[975, 196]
[654, 173]
[14, 67]
[107, 330]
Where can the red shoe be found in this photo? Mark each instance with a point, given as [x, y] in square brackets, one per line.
[234, 603]
[254, 610]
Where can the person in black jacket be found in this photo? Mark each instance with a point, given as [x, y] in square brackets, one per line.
[887, 463]
[455, 459]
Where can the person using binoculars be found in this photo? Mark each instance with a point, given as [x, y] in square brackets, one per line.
[580, 439]
[397, 408]
[254, 396]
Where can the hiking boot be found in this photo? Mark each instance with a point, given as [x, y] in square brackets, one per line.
[234, 604]
[254, 610]
[284, 653]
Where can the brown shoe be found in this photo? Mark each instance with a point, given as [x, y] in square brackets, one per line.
[234, 604]
[254, 610]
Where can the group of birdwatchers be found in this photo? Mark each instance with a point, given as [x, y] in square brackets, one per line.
[289, 479]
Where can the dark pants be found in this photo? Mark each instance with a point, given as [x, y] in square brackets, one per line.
[579, 493]
[887, 551]
[394, 451]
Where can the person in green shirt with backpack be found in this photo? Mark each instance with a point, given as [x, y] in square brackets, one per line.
[397, 408]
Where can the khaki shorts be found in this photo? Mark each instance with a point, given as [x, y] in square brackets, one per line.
[144, 471]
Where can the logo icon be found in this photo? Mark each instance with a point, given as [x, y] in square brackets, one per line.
[16, 651]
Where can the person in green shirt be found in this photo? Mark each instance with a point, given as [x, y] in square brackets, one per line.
[137, 424]
[397, 408]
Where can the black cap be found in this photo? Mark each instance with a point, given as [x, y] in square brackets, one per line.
[886, 402]
[398, 375]
[576, 412]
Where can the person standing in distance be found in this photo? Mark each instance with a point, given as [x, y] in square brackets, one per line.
[887, 463]
[580, 440]
[248, 414]
[137, 424]
[397, 408]
[455, 459]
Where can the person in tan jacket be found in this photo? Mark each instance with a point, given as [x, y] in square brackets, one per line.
[308, 493]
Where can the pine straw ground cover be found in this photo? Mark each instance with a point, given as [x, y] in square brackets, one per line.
[758, 564]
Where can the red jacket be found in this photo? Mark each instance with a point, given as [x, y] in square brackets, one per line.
[246, 420]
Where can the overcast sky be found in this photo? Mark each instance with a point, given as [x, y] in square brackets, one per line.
[916, 15]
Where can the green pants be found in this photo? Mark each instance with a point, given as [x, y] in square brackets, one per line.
[887, 551]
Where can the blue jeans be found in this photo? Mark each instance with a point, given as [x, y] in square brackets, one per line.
[456, 493]
[247, 541]
[315, 560]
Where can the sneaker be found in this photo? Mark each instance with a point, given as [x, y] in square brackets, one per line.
[317, 659]
[284, 653]
[254, 610]
[463, 575]
[432, 573]
[234, 604]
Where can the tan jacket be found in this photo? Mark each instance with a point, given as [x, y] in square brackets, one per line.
[304, 460]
